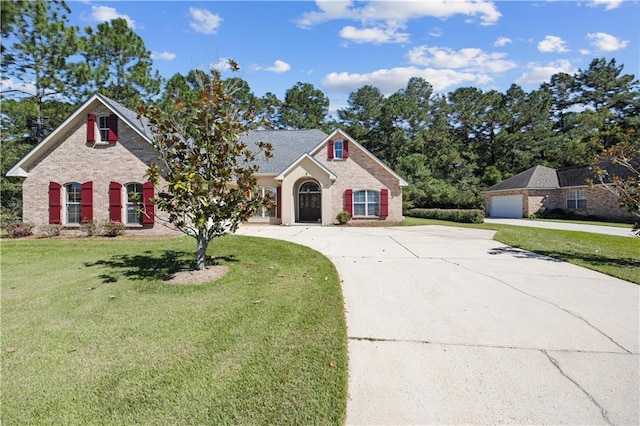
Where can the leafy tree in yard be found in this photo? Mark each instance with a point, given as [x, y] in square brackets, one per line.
[210, 174]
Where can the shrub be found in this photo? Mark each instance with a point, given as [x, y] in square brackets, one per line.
[452, 215]
[343, 217]
[113, 229]
[90, 228]
[19, 229]
[51, 230]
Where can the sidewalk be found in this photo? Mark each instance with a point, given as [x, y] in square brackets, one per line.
[596, 229]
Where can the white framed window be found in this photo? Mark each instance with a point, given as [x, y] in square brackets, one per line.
[270, 212]
[134, 203]
[577, 199]
[338, 149]
[73, 200]
[366, 203]
[103, 127]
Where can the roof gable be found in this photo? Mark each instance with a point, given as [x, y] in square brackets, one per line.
[126, 115]
[298, 162]
[341, 133]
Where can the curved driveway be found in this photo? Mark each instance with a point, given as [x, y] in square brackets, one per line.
[447, 326]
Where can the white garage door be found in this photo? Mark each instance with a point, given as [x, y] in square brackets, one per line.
[506, 206]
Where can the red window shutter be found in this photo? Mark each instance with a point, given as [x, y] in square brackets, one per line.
[91, 128]
[330, 154]
[86, 204]
[348, 201]
[112, 122]
[345, 149]
[279, 202]
[384, 202]
[55, 203]
[115, 202]
[148, 215]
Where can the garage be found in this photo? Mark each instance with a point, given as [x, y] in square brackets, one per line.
[506, 206]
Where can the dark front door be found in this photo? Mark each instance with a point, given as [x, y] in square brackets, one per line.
[309, 207]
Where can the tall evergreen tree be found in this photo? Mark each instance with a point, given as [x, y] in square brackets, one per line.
[305, 107]
[118, 63]
[41, 52]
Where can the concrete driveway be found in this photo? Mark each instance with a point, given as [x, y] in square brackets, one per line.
[447, 326]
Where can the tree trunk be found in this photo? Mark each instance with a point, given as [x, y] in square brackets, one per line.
[201, 252]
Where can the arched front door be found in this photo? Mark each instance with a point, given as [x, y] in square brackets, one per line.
[309, 202]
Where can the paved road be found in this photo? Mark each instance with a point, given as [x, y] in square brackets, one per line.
[596, 229]
[447, 326]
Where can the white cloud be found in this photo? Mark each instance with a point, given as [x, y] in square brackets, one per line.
[203, 21]
[17, 88]
[502, 41]
[606, 42]
[373, 35]
[382, 20]
[390, 80]
[278, 67]
[436, 32]
[552, 44]
[468, 59]
[538, 73]
[608, 4]
[163, 56]
[106, 13]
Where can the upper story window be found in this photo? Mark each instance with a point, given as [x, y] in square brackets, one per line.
[366, 203]
[103, 127]
[577, 199]
[338, 149]
[73, 202]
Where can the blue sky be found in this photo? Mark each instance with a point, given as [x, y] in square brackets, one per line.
[339, 46]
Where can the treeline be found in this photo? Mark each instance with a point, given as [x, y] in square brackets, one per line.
[447, 146]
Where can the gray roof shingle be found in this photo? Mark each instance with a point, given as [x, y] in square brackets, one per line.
[288, 146]
[535, 177]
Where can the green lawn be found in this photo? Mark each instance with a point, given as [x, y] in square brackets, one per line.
[92, 335]
[588, 222]
[612, 255]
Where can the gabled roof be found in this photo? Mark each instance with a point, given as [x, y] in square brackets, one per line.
[341, 133]
[288, 147]
[538, 177]
[123, 113]
[304, 156]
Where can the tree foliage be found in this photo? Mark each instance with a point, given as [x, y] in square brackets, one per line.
[118, 64]
[210, 174]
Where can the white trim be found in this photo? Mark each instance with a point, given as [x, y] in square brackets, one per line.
[321, 145]
[295, 164]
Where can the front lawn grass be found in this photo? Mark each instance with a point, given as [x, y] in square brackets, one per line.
[612, 255]
[92, 335]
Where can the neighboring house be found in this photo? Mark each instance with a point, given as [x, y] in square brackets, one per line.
[567, 189]
[92, 167]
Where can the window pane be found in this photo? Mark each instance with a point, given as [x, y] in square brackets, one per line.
[373, 196]
[359, 196]
[373, 209]
[359, 209]
[132, 214]
[337, 149]
[582, 204]
[73, 213]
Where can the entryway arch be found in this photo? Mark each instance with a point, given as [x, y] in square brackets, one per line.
[309, 200]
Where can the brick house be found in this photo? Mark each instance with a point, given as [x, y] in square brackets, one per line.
[92, 167]
[566, 188]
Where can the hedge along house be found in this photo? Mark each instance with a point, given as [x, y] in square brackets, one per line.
[565, 189]
[92, 167]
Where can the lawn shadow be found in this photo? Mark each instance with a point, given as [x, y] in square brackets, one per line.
[521, 254]
[151, 265]
[569, 256]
